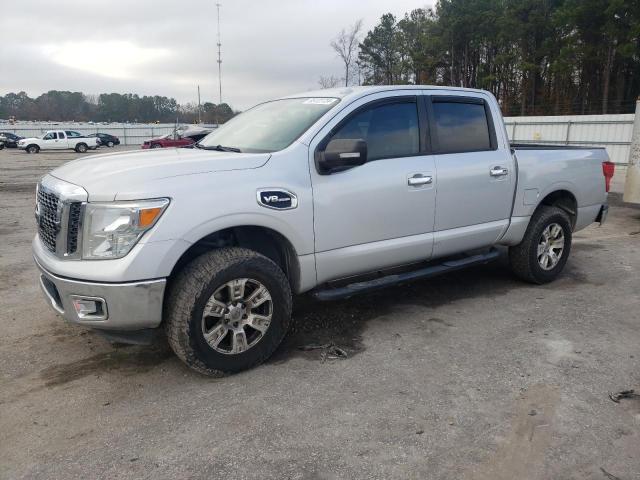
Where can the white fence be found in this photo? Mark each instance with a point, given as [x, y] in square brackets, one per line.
[610, 131]
[128, 133]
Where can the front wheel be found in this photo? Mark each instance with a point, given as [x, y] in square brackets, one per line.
[33, 149]
[545, 248]
[156, 145]
[227, 311]
[110, 144]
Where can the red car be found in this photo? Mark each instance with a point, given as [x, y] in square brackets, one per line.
[179, 138]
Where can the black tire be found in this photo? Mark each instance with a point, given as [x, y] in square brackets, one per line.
[81, 147]
[196, 284]
[1, 145]
[110, 144]
[32, 149]
[523, 258]
[156, 145]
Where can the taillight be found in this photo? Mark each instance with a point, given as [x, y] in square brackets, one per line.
[608, 169]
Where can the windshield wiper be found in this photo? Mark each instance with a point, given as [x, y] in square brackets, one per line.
[220, 148]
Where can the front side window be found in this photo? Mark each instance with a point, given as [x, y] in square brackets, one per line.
[461, 127]
[270, 126]
[391, 130]
[50, 136]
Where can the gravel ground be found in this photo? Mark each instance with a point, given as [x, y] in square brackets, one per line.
[472, 375]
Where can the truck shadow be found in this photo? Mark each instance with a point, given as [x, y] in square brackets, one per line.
[318, 327]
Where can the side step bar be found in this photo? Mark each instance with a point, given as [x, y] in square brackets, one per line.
[389, 280]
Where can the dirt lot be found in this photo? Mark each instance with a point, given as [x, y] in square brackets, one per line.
[473, 375]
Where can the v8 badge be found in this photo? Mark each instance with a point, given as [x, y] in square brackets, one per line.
[277, 198]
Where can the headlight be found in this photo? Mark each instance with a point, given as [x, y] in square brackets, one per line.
[112, 229]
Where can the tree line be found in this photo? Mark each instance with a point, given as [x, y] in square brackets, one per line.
[108, 107]
[538, 57]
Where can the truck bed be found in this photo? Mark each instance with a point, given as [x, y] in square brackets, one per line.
[549, 146]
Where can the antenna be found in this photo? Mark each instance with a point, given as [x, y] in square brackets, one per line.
[219, 56]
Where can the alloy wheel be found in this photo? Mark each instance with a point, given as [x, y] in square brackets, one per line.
[237, 316]
[550, 246]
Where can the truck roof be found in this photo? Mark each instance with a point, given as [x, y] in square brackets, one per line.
[355, 92]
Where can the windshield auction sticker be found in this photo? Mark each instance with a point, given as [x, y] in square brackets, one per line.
[320, 101]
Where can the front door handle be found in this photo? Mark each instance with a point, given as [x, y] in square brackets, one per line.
[498, 172]
[418, 180]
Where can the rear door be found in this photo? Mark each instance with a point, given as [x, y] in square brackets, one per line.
[475, 168]
[379, 214]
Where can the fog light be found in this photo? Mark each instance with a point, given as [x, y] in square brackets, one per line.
[89, 308]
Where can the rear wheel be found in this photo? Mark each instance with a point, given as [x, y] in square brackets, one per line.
[33, 149]
[81, 148]
[545, 248]
[227, 311]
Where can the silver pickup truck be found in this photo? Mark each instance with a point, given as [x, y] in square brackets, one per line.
[334, 192]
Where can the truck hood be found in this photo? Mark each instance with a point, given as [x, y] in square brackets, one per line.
[106, 176]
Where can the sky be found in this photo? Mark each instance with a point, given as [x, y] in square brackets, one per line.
[167, 47]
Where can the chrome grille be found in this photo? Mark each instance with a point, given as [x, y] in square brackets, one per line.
[73, 227]
[48, 217]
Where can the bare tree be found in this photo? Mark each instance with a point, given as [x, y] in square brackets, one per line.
[329, 82]
[346, 46]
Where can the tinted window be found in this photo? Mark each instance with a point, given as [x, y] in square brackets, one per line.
[461, 127]
[390, 130]
[61, 135]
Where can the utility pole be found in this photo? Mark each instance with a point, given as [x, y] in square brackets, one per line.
[199, 109]
[219, 64]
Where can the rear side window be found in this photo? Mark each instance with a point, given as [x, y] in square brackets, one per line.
[461, 127]
[391, 130]
[61, 135]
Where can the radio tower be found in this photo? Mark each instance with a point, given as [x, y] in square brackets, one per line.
[219, 57]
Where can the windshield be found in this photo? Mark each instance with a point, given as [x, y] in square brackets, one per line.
[270, 126]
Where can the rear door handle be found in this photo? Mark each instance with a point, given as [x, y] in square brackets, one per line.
[498, 172]
[418, 180]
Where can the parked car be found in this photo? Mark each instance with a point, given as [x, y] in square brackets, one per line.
[106, 139]
[334, 192]
[10, 139]
[179, 138]
[58, 140]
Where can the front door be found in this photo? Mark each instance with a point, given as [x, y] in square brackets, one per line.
[50, 141]
[61, 143]
[379, 214]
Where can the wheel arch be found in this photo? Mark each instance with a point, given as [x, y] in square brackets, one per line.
[563, 199]
[264, 240]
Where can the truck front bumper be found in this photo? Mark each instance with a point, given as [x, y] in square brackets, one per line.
[107, 306]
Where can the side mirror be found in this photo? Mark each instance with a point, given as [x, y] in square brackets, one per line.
[341, 154]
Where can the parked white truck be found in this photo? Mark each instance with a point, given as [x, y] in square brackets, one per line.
[59, 140]
[334, 192]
